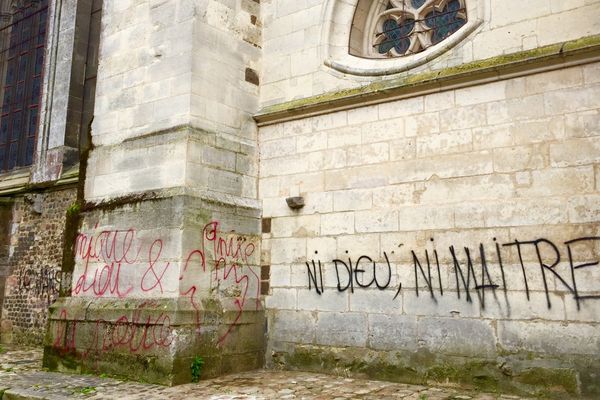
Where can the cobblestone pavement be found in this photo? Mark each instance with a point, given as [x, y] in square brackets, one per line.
[21, 378]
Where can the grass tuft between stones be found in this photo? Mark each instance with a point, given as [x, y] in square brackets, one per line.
[196, 368]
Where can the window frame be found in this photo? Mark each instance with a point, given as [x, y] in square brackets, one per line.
[339, 17]
[23, 14]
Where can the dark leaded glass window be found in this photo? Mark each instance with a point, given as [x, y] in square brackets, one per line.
[396, 28]
[445, 21]
[411, 26]
[22, 50]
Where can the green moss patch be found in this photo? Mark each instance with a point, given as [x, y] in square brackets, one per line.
[519, 375]
[407, 83]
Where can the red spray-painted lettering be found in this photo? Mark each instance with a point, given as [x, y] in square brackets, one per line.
[226, 257]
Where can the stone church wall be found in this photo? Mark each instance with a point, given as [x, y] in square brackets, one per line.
[32, 262]
[300, 37]
[451, 236]
[167, 257]
[449, 231]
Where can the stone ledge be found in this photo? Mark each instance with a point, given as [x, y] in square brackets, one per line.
[207, 195]
[542, 59]
[19, 181]
[11, 182]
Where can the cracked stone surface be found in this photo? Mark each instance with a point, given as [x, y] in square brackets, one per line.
[22, 377]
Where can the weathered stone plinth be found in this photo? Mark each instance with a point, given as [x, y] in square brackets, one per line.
[159, 282]
[152, 341]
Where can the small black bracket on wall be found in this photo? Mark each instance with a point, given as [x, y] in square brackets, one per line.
[295, 203]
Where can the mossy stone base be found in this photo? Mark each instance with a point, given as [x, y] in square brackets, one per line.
[126, 338]
[520, 374]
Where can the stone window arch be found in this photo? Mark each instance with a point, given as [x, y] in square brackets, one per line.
[384, 37]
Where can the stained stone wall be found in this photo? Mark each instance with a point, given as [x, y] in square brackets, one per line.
[32, 262]
[449, 231]
[450, 226]
[306, 42]
[451, 236]
[167, 257]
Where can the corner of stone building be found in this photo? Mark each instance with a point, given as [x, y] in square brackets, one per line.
[209, 306]
[164, 262]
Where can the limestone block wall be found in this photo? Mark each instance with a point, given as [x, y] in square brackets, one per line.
[169, 65]
[160, 63]
[158, 283]
[144, 71]
[452, 236]
[300, 37]
[173, 114]
[173, 106]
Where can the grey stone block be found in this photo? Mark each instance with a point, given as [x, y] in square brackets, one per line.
[464, 337]
[392, 332]
[549, 337]
[342, 329]
[292, 326]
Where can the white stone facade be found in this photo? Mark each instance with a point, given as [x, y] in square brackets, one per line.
[399, 194]
[451, 197]
[300, 37]
[515, 160]
[458, 219]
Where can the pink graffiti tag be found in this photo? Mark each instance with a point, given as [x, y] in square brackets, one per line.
[111, 251]
[229, 256]
[107, 254]
[134, 333]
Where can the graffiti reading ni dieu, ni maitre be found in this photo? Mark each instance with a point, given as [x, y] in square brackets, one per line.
[472, 270]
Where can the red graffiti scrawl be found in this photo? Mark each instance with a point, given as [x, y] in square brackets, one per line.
[229, 256]
[221, 263]
[106, 254]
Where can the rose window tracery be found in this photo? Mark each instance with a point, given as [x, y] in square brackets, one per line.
[405, 27]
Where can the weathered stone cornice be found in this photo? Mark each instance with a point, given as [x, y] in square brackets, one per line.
[542, 59]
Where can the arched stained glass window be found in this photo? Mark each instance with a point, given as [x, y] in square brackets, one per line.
[22, 50]
[396, 28]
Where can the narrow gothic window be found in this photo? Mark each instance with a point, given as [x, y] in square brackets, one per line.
[22, 50]
[396, 28]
